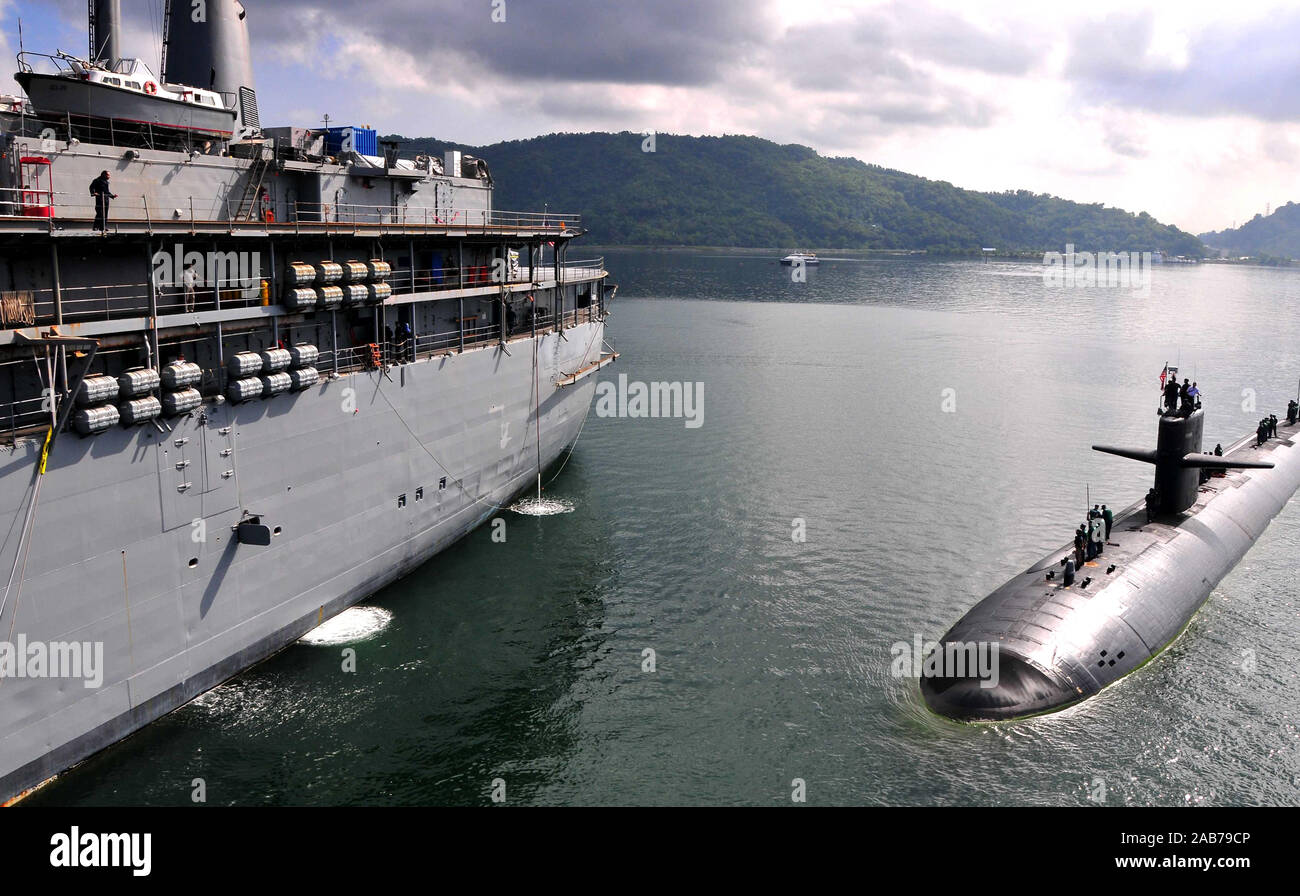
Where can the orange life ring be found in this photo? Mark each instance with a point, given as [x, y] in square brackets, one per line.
[150, 88]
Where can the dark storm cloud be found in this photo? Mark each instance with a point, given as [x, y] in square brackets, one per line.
[884, 60]
[671, 42]
[1250, 68]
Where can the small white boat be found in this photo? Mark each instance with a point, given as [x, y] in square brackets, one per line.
[128, 91]
[801, 257]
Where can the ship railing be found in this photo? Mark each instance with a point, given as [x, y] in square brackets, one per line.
[60, 64]
[46, 132]
[24, 415]
[470, 335]
[398, 351]
[437, 343]
[431, 344]
[577, 269]
[482, 333]
[345, 359]
[53, 210]
[405, 281]
[79, 304]
[472, 220]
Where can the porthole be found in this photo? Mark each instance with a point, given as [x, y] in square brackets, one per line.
[194, 561]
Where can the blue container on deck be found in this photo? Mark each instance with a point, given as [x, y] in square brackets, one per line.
[352, 139]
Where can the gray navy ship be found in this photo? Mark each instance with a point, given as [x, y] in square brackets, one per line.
[1063, 635]
[285, 368]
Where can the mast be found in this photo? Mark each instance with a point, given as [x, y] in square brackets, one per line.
[105, 29]
[166, 33]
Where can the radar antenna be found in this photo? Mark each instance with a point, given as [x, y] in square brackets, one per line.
[166, 33]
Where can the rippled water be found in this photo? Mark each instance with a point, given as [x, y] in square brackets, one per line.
[823, 402]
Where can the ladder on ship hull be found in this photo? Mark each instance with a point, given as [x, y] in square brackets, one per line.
[252, 189]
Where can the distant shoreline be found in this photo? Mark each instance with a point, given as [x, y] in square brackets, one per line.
[783, 251]
[779, 252]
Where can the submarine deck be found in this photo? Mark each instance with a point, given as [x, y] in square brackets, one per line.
[1044, 621]
[1132, 534]
[1060, 644]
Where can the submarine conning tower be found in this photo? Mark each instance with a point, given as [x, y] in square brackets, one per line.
[1179, 460]
[213, 54]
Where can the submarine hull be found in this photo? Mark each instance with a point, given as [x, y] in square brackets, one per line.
[1057, 644]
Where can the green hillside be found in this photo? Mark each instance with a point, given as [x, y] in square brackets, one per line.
[1278, 235]
[745, 191]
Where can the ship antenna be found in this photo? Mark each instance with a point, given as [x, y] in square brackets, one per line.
[22, 107]
[166, 31]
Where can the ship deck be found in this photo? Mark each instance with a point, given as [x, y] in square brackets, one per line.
[1132, 534]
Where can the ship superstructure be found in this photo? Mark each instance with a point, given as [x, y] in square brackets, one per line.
[289, 368]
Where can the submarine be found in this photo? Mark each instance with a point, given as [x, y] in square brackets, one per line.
[1060, 639]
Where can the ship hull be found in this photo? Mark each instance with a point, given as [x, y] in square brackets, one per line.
[58, 95]
[361, 478]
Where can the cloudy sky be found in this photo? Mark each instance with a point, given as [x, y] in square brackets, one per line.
[1189, 110]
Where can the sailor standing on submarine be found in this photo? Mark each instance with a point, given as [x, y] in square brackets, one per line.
[1098, 527]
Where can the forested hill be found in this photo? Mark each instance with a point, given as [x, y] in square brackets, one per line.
[745, 191]
[1277, 235]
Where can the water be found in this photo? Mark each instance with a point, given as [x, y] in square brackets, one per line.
[823, 402]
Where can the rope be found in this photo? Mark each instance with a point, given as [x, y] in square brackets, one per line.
[10, 532]
[537, 409]
[583, 425]
[459, 483]
[20, 551]
[24, 546]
